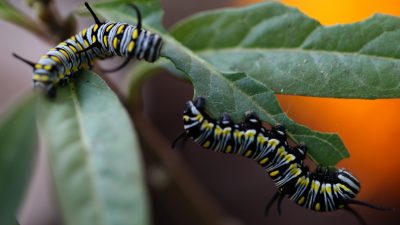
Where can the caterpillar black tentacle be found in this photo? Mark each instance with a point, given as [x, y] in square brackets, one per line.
[322, 190]
[99, 41]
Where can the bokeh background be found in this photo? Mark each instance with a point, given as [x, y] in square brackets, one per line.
[369, 128]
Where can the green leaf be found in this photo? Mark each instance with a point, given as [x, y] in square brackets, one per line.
[17, 150]
[236, 93]
[290, 53]
[94, 155]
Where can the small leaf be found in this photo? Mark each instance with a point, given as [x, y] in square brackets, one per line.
[290, 53]
[236, 93]
[9, 13]
[94, 155]
[17, 152]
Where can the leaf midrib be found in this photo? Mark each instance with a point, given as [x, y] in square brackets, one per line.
[291, 50]
[85, 144]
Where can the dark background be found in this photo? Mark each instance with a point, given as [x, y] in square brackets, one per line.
[238, 184]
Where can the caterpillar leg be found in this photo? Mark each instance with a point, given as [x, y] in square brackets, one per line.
[277, 197]
[182, 137]
[120, 66]
[280, 199]
[64, 81]
[139, 28]
[50, 91]
[271, 202]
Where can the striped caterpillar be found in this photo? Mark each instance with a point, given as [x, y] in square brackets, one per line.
[99, 41]
[323, 190]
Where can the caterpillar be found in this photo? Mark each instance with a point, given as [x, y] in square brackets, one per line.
[99, 41]
[322, 190]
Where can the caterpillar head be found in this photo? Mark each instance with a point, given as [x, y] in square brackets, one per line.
[194, 108]
[44, 78]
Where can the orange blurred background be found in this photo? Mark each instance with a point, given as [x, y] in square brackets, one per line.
[369, 128]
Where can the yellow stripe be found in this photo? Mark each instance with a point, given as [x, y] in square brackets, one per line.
[36, 77]
[95, 27]
[84, 32]
[317, 207]
[94, 39]
[328, 189]
[186, 118]
[38, 66]
[199, 117]
[228, 149]
[105, 40]
[86, 42]
[130, 46]
[55, 58]
[64, 53]
[218, 130]
[73, 48]
[274, 173]
[120, 29]
[47, 67]
[135, 34]
[262, 162]
[301, 200]
[248, 153]
[207, 144]
[109, 27]
[115, 42]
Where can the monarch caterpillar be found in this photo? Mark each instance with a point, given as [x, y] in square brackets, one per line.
[99, 41]
[322, 190]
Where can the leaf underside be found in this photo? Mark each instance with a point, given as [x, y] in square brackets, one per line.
[94, 155]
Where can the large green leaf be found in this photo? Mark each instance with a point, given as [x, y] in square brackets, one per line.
[237, 93]
[290, 53]
[17, 151]
[94, 155]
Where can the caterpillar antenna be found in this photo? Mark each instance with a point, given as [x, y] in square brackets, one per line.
[356, 214]
[138, 16]
[358, 202]
[24, 60]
